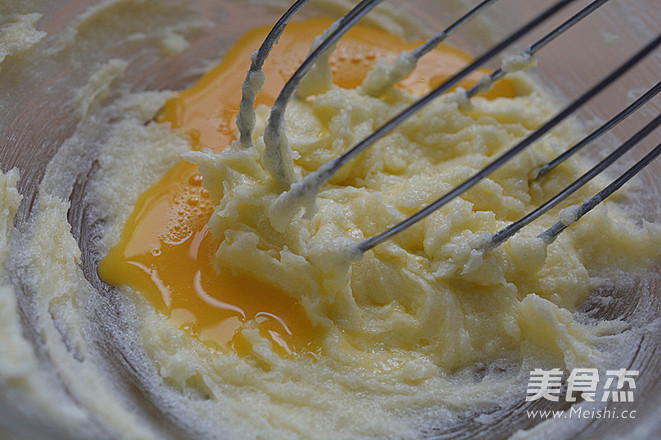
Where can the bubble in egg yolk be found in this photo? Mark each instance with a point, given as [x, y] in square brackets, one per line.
[166, 250]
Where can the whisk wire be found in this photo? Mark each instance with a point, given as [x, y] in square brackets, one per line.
[550, 234]
[540, 44]
[614, 121]
[246, 124]
[441, 36]
[509, 231]
[276, 162]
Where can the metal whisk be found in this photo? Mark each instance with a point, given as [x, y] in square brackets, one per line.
[277, 158]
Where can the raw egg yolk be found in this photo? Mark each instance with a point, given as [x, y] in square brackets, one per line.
[166, 250]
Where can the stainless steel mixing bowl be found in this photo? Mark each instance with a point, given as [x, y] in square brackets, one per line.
[37, 116]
